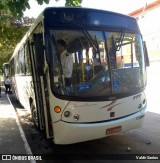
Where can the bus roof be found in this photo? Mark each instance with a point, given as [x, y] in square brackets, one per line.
[88, 17]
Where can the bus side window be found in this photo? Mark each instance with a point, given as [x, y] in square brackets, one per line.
[27, 60]
[39, 50]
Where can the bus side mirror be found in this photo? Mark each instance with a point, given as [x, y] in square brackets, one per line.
[146, 54]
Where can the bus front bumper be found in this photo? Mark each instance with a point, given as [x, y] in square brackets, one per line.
[69, 133]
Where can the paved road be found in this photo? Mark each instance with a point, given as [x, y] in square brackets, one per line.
[12, 138]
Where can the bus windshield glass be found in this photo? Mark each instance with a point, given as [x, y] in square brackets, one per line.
[105, 63]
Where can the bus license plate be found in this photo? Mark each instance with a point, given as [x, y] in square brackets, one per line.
[113, 130]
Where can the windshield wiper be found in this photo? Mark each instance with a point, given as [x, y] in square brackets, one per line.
[118, 42]
[91, 41]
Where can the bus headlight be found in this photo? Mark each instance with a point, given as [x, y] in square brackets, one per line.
[139, 106]
[144, 101]
[67, 113]
[76, 117]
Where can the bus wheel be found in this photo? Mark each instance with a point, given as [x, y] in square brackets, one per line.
[34, 115]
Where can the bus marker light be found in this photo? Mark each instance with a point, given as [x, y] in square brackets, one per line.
[57, 109]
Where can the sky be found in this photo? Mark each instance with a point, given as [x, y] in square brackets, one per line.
[120, 6]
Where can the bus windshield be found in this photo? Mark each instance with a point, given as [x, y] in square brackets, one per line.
[105, 63]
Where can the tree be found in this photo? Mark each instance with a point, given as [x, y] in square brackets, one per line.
[13, 25]
[11, 32]
[17, 7]
[73, 2]
[10, 36]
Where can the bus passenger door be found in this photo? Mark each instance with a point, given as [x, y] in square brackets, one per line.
[36, 102]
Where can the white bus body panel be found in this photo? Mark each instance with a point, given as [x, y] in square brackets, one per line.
[23, 89]
[97, 111]
[100, 111]
[95, 117]
[68, 133]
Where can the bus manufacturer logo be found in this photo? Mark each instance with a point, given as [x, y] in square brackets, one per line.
[110, 106]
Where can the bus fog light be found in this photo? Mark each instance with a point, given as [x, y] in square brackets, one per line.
[67, 113]
[76, 117]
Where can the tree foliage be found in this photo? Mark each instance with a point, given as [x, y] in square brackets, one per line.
[13, 25]
[17, 7]
[73, 2]
[10, 36]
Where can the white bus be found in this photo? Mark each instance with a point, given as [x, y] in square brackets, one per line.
[106, 95]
